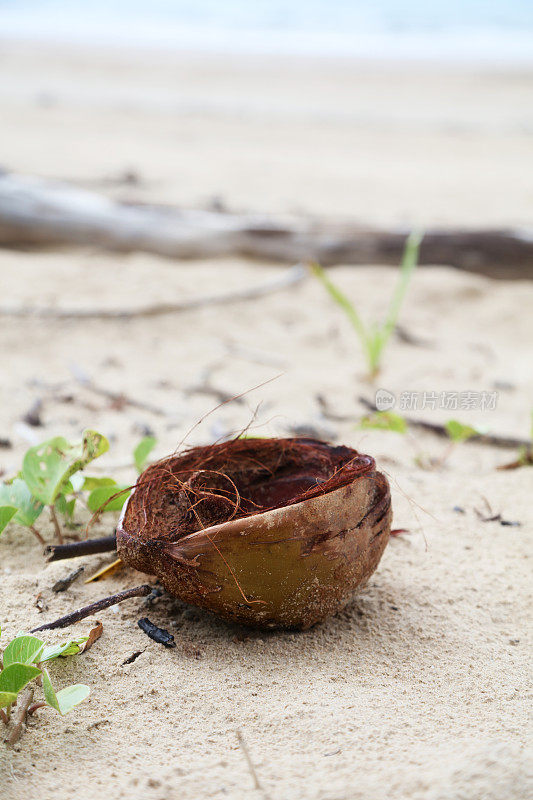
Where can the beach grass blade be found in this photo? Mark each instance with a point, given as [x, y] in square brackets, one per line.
[374, 337]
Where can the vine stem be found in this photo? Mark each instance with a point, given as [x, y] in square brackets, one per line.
[35, 706]
[25, 701]
[36, 533]
[57, 527]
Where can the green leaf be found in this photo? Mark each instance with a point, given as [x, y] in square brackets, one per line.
[17, 494]
[49, 693]
[459, 432]
[6, 698]
[24, 649]
[65, 507]
[70, 648]
[15, 677]
[6, 515]
[99, 497]
[48, 467]
[142, 451]
[66, 699]
[71, 696]
[91, 483]
[384, 421]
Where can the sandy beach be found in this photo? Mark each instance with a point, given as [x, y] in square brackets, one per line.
[416, 690]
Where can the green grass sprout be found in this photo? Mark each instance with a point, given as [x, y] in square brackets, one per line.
[374, 337]
[525, 453]
[384, 421]
[458, 432]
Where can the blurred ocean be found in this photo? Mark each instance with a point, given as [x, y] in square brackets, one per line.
[494, 31]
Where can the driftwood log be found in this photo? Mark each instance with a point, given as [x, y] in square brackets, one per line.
[36, 212]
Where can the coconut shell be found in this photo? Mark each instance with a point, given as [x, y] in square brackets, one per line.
[271, 533]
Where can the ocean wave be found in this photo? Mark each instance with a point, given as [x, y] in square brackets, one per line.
[460, 30]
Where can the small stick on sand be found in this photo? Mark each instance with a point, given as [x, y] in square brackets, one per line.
[24, 703]
[253, 773]
[58, 552]
[292, 277]
[205, 386]
[63, 583]
[328, 412]
[94, 608]
[118, 398]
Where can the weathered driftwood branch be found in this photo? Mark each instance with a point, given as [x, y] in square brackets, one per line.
[40, 213]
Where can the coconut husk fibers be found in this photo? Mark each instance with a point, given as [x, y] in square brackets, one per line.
[266, 532]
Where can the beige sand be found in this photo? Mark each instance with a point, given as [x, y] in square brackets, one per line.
[418, 690]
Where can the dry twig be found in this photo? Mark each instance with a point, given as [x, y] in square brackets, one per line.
[118, 398]
[292, 277]
[94, 608]
[63, 583]
[58, 552]
[253, 773]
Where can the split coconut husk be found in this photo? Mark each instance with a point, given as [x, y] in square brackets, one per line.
[272, 533]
